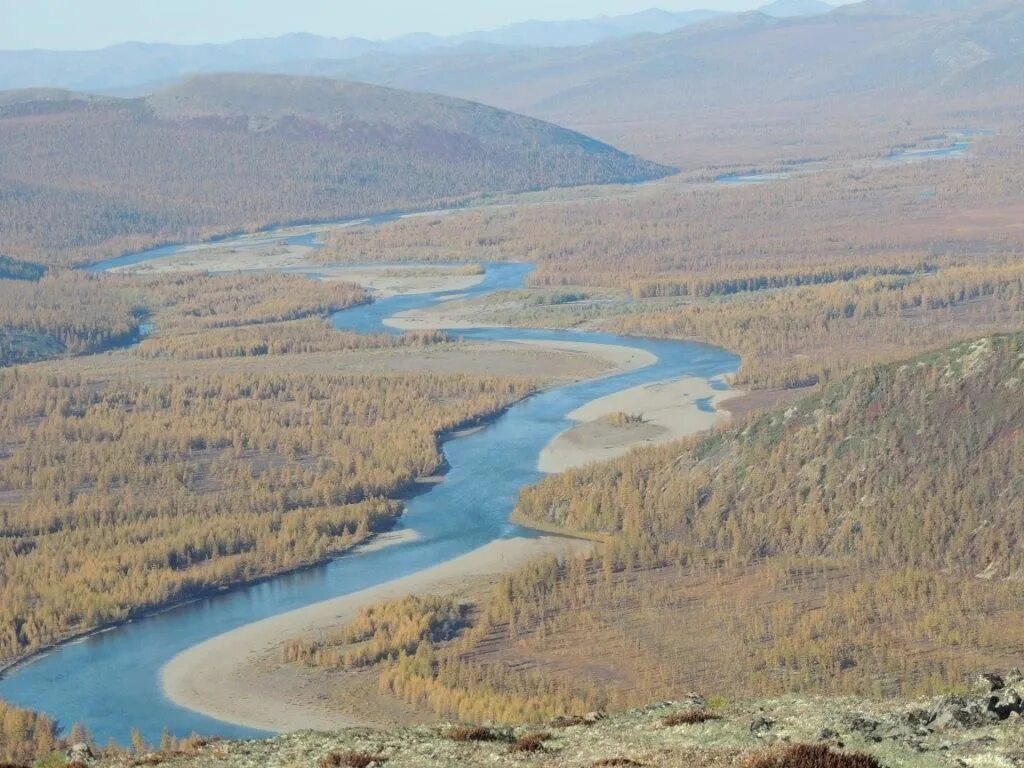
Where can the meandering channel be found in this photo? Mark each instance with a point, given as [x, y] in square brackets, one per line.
[110, 681]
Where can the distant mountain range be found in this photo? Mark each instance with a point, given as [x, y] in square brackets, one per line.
[639, 92]
[127, 66]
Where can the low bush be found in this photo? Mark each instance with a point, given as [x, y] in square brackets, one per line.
[690, 717]
[810, 756]
[350, 760]
[532, 742]
[474, 733]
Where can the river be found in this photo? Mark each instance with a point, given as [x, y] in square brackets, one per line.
[110, 681]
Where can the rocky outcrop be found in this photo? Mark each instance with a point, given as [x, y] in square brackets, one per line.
[983, 728]
[1000, 698]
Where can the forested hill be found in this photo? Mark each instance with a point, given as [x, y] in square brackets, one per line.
[866, 540]
[915, 464]
[85, 177]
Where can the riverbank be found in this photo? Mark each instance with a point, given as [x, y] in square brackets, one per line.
[239, 677]
[270, 256]
[649, 414]
[386, 536]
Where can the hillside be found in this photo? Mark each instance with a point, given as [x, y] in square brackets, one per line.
[84, 177]
[940, 435]
[863, 541]
[687, 89]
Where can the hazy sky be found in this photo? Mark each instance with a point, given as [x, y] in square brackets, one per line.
[97, 23]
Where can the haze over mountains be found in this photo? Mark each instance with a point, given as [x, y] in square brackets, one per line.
[752, 56]
[656, 94]
[133, 64]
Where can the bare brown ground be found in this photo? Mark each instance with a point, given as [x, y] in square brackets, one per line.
[763, 400]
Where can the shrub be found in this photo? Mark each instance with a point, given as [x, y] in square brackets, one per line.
[690, 717]
[622, 419]
[810, 756]
[350, 760]
[533, 742]
[473, 733]
[568, 721]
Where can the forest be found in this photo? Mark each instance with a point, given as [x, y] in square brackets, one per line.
[774, 555]
[62, 313]
[72, 313]
[298, 337]
[195, 301]
[24, 735]
[117, 495]
[12, 269]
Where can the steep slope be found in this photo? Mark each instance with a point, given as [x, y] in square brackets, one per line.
[755, 58]
[909, 464]
[82, 177]
[866, 540]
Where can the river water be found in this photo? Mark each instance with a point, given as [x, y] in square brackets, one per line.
[111, 681]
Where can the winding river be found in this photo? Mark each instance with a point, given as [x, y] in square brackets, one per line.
[110, 681]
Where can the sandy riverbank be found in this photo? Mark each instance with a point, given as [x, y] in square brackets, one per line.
[394, 280]
[271, 256]
[667, 410]
[446, 317]
[619, 359]
[238, 677]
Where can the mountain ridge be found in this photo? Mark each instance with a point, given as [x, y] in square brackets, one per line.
[134, 64]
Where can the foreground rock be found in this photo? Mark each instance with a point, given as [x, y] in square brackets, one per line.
[980, 730]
